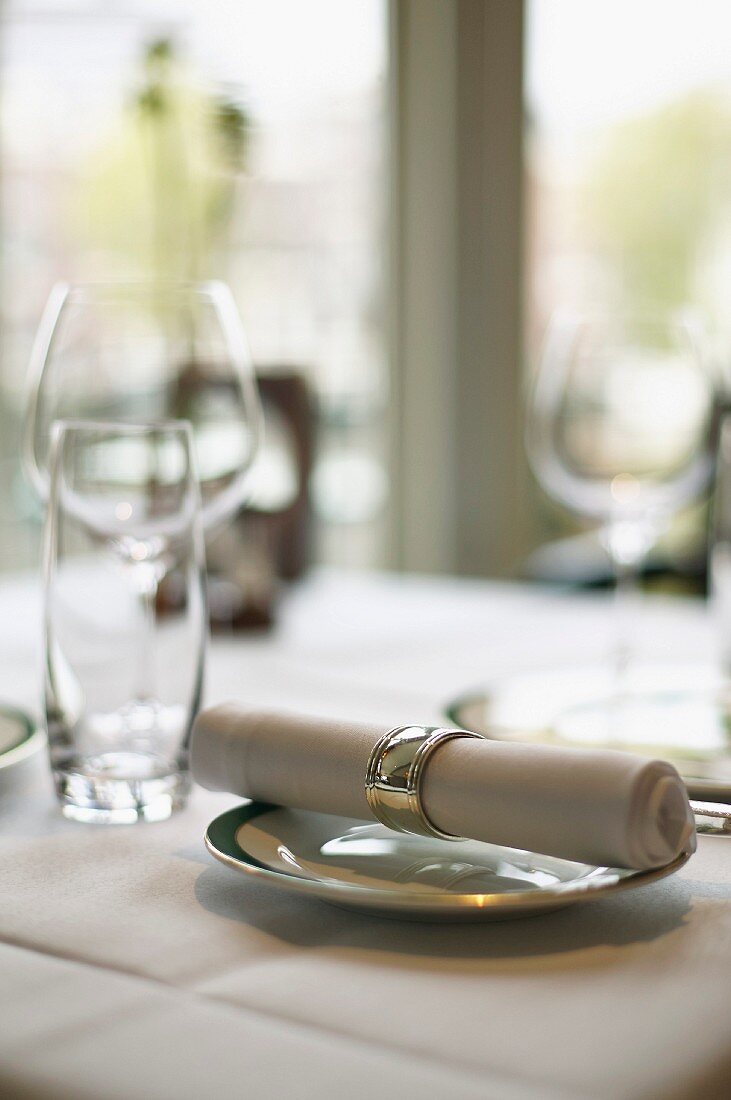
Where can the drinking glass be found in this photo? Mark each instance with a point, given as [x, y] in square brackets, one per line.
[123, 669]
[619, 433]
[147, 351]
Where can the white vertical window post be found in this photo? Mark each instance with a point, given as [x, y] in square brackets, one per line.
[459, 466]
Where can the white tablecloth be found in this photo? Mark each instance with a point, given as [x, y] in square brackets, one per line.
[132, 965]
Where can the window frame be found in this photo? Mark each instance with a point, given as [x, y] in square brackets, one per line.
[456, 328]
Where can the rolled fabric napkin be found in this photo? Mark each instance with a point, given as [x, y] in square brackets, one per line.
[593, 806]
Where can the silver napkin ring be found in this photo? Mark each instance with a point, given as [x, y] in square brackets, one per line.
[394, 775]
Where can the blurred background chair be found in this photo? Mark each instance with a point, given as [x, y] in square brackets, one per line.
[271, 539]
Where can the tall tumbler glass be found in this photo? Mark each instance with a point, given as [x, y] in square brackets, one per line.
[123, 667]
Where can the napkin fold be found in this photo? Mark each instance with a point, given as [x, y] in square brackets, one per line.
[592, 806]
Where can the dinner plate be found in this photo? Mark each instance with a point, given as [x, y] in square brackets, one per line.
[372, 869]
[19, 736]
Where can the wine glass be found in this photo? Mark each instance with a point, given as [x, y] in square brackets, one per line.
[619, 432]
[149, 351]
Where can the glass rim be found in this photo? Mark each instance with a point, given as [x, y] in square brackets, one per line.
[684, 315]
[98, 288]
[70, 425]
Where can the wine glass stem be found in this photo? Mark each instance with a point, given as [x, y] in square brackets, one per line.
[147, 595]
[628, 541]
[626, 587]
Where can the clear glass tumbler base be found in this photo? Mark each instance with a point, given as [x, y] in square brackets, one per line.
[119, 789]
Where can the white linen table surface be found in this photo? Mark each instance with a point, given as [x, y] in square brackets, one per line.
[135, 967]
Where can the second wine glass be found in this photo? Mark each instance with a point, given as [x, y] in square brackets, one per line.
[149, 351]
[619, 432]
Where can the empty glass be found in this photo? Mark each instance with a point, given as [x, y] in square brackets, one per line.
[123, 667]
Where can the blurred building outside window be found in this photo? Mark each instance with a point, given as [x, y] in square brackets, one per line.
[261, 127]
[628, 162]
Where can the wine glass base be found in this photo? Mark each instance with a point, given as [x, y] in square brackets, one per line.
[120, 789]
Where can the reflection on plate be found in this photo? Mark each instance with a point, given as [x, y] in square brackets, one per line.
[372, 869]
[19, 737]
[677, 713]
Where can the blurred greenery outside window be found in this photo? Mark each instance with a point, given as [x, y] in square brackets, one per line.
[231, 139]
[628, 162]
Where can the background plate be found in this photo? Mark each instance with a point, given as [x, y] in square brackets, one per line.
[677, 713]
[19, 736]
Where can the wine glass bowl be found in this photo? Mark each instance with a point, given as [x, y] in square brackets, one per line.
[619, 418]
[125, 491]
[149, 351]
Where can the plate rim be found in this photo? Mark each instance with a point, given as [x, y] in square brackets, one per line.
[32, 739]
[230, 821]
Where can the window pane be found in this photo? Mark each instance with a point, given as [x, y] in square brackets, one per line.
[289, 208]
[629, 127]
